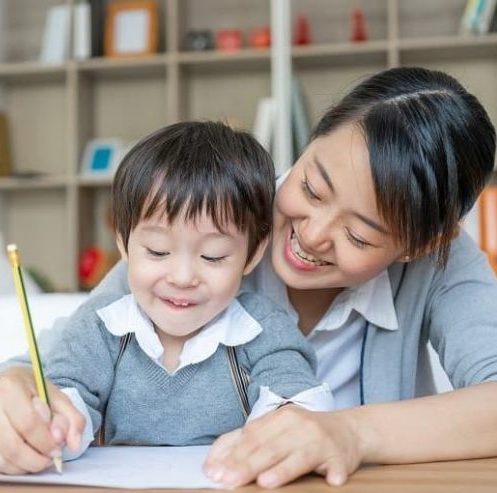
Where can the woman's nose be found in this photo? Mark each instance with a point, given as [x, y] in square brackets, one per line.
[315, 236]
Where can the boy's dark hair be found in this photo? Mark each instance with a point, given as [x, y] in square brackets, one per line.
[431, 148]
[191, 167]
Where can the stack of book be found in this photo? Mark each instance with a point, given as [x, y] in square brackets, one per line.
[479, 17]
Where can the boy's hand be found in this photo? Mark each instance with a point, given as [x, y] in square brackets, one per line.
[29, 438]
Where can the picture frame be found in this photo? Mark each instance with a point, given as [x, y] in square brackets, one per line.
[101, 157]
[131, 29]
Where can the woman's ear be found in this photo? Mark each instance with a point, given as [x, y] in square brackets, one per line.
[121, 248]
[256, 258]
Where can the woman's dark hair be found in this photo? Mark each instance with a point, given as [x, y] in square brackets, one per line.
[189, 168]
[431, 149]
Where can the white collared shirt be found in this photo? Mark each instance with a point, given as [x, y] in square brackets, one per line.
[337, 337]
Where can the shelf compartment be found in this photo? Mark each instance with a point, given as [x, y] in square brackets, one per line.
[42, 215]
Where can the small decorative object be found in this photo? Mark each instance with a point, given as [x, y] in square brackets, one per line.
[229, 40]
[302, 35]
[199, 40]
[94, 263]
[100, 157]
[260, 37]
[131, 28]
[358, 30]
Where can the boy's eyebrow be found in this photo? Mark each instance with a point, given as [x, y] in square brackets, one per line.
[326, 177]
[153, 229]
[150, 228]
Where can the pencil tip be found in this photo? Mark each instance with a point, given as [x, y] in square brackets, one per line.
[57, 462]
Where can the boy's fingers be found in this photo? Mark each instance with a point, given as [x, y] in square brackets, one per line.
[67, 420]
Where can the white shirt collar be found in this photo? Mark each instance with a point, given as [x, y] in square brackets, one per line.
[232, 327]
[373, 300]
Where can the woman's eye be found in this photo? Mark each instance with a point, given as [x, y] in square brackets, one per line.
[213, 259]
[356, 241]
[155, 253]
[308, 190]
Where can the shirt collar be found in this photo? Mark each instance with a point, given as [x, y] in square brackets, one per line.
[373, 300]
[232, 327]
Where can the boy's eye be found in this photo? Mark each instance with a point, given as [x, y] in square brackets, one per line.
[155, 253]
[213, 259]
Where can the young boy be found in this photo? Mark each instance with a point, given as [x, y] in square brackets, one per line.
[166, 364]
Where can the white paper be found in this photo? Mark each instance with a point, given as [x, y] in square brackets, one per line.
[129, 467]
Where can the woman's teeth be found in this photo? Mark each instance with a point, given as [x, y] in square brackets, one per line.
[297, 250]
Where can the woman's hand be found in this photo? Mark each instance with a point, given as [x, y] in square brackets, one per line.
[283, 445]
[30, 434]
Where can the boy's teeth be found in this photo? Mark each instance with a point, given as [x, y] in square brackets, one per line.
[303, 255]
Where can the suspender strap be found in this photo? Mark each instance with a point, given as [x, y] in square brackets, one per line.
[123, 344]
[240, 380]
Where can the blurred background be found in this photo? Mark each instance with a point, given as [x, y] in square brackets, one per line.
[81, 81]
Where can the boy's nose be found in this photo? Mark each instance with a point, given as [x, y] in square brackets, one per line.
[182, 276]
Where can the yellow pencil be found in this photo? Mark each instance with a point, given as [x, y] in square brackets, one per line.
[41, 387]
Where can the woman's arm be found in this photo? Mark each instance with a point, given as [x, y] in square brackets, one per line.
[284, 445]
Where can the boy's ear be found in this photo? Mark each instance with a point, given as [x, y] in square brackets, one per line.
[120, 246]
[256, 258]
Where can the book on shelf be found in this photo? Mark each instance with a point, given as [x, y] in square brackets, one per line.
[5, 155]
[479, 17]
[55, 41]
[488, 223]
[97, 8]
[301, 128]
[82, 31]
[264, 122]
[3, 15]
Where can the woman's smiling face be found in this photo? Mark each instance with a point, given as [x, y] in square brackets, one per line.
[327, 230]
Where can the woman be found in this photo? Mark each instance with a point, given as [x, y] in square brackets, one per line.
[368, 257]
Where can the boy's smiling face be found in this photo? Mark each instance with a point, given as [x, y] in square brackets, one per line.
[185, 273]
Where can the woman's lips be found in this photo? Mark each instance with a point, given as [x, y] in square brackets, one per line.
[294, 260]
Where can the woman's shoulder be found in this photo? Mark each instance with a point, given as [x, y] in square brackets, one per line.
[466, 262]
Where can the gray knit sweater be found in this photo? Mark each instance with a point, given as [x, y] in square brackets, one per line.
[145, 404]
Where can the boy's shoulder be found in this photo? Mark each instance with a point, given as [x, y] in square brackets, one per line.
[258, 306]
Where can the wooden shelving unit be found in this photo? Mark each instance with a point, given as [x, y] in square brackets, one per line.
[55, 110]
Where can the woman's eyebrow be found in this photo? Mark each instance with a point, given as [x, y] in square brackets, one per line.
[324, 174]
[326, 177]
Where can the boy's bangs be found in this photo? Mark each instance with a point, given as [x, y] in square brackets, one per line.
[189, 202]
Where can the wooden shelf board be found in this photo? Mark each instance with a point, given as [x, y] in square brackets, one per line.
[216, 56]
[33, 183]
[438, 42]
[333, 49]
[103, 65]
[94, 181]
[31, 70]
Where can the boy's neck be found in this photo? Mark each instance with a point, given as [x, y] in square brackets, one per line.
[173, 347]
